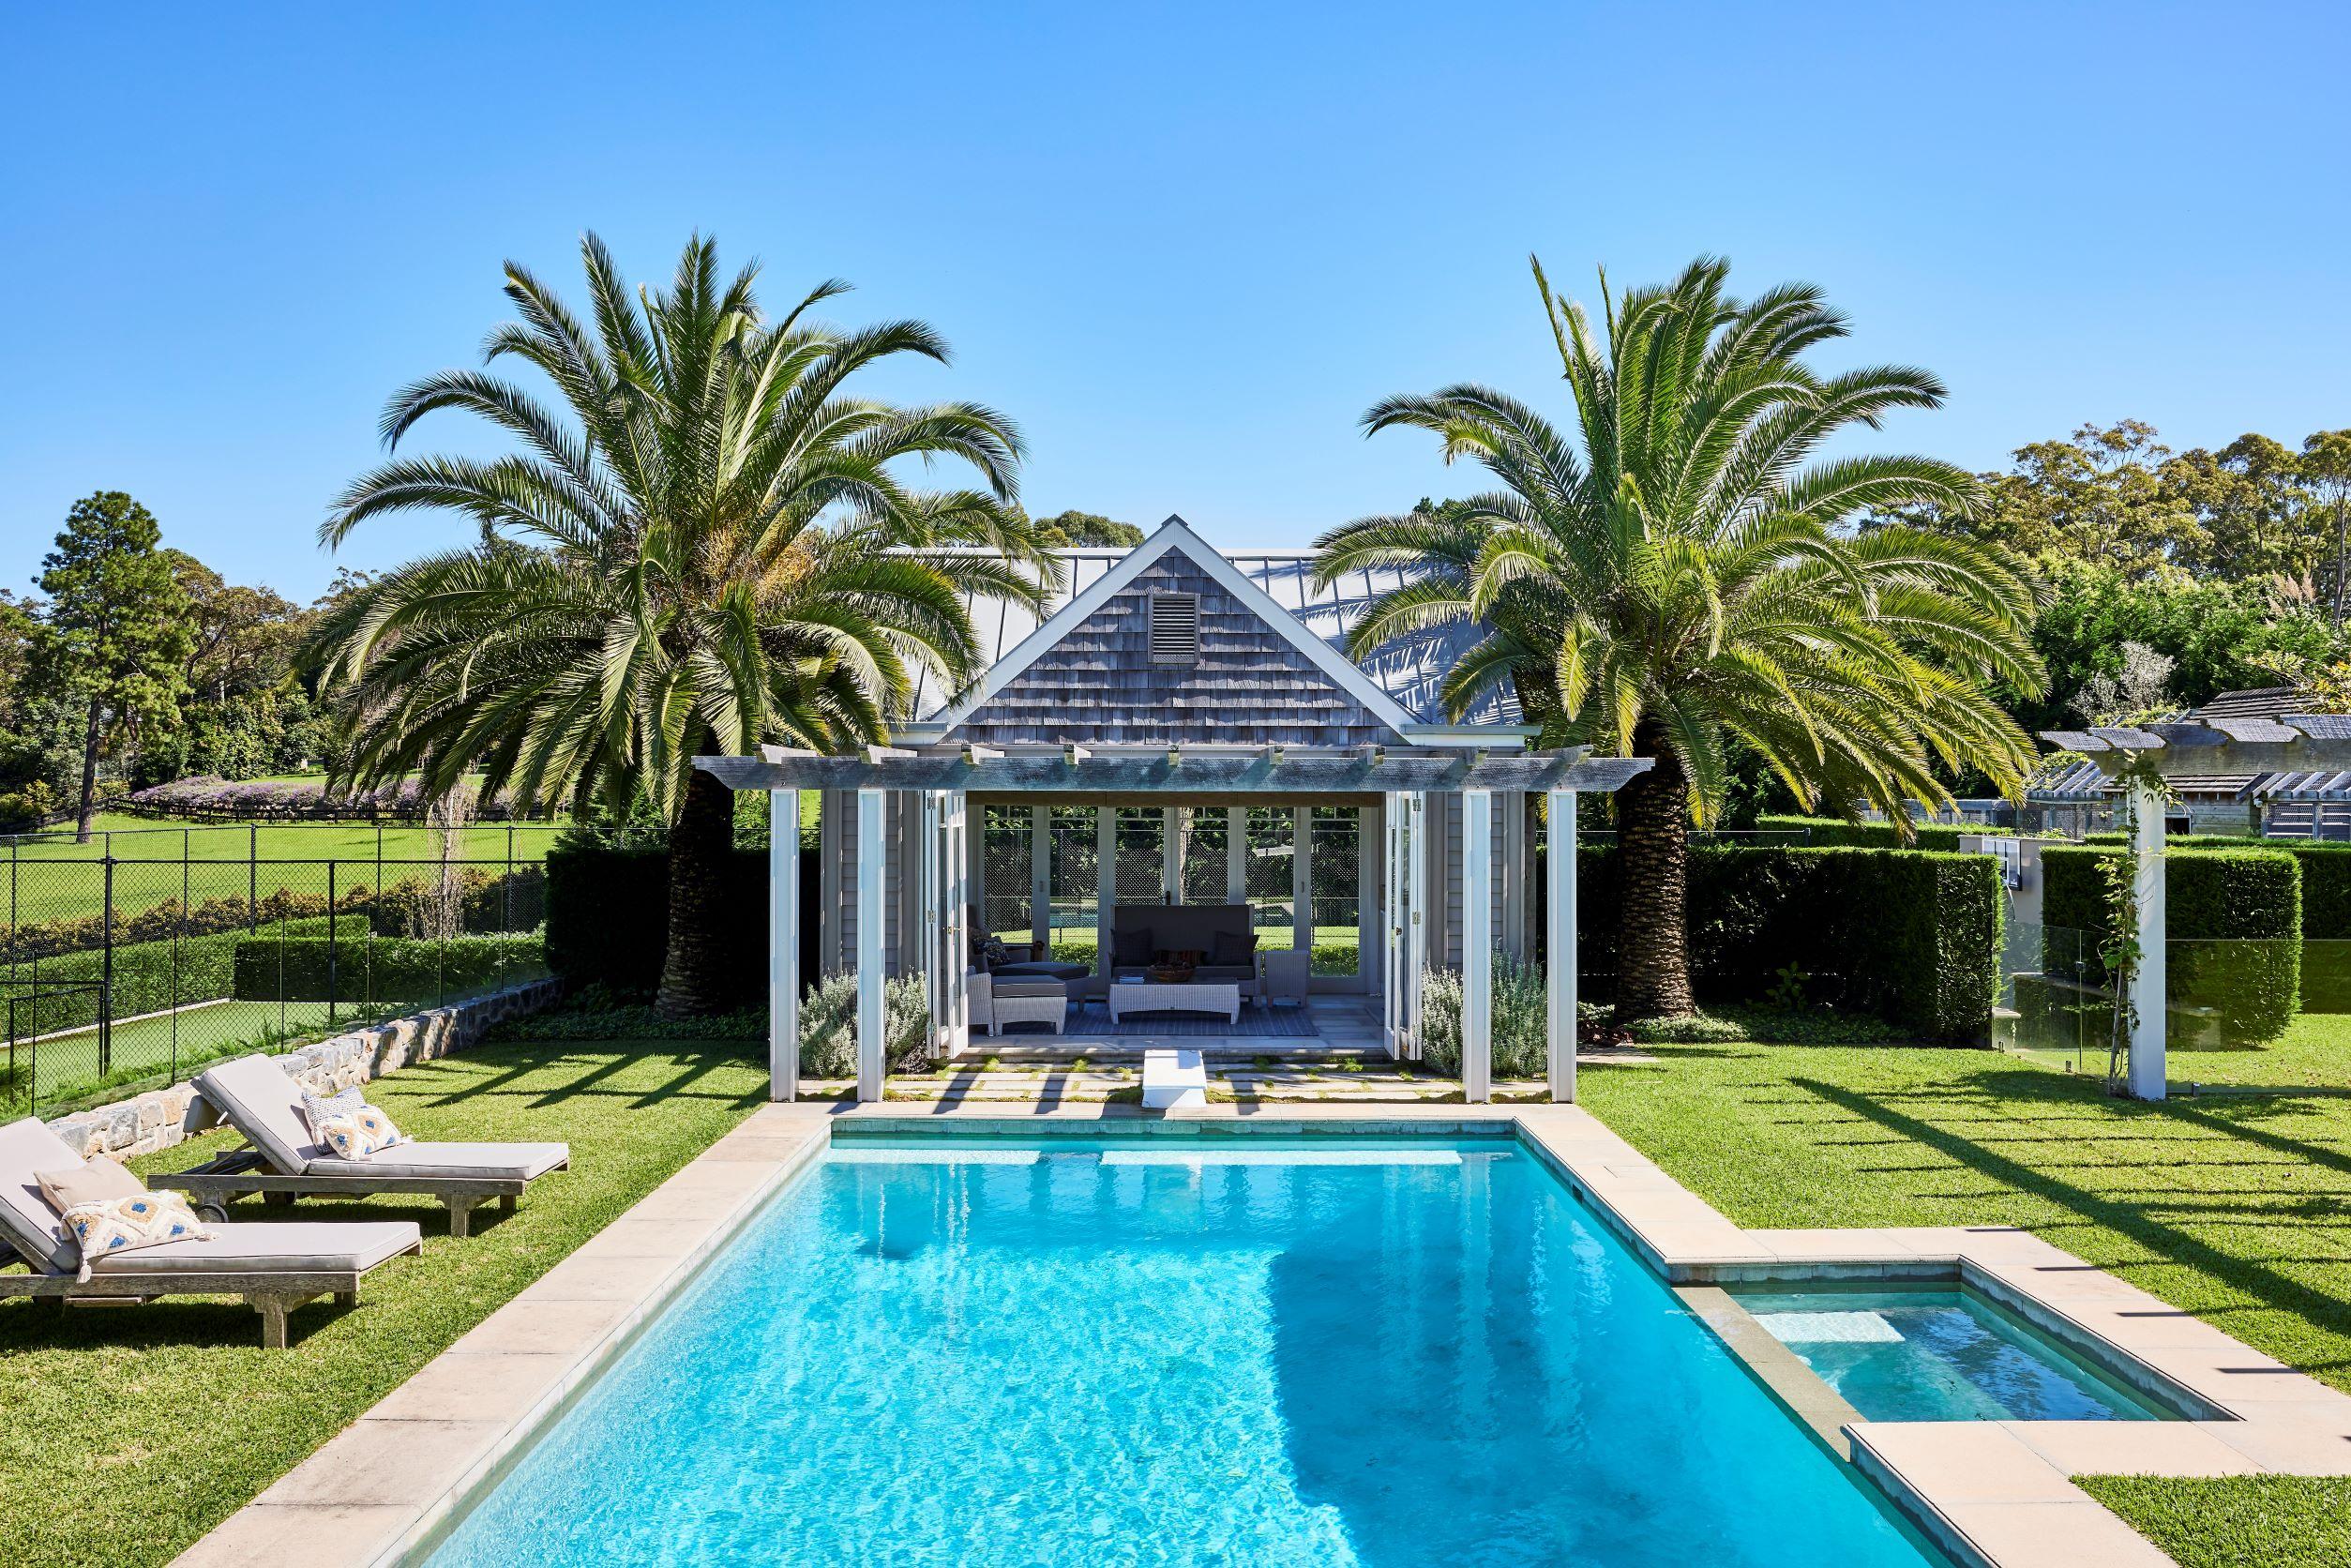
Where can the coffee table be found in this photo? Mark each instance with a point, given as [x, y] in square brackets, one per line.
[1187, 996]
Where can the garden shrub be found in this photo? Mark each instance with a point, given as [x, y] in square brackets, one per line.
[382, 969]
[484, 901]
[1521, 1026]
[1912, 937]
[147, 977]
[828, 1027]
[2235, 921]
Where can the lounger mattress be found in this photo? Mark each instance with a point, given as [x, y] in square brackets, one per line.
[294, 1247]
[519, 1162]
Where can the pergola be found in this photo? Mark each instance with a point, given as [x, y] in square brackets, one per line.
[1401, 782]
[2296, 743]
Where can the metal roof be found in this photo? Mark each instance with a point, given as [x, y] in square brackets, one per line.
[1410, 670]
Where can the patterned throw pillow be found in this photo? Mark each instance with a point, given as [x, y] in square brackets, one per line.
[128, 1224]
[356, 1135]
[327, 1108]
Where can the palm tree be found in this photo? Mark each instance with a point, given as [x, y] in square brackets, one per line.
[1674, 581]
[709, 551]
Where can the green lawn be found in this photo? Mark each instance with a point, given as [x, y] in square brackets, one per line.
[51, 877]
[2235, 1208]
[131, 1432]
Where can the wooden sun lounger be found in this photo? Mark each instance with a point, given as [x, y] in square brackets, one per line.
[273, 1268]
[215, 1183]
[254, 1096]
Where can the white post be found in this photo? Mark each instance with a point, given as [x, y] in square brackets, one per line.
[1040, 876]
[1416, 923]
[1477, 945]
[1390, 922]
[783, 945]
[2147, 1067]
[955, 812]
[1171, 854]
[870, 979]
[1559, 940]
[1236, 855]
[931, 902]
[1106, 882]
[1301, 878]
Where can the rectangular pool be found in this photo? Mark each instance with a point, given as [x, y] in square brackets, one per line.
[1233, 1349]
[1940, 1353]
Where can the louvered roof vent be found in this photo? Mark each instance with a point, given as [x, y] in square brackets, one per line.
[1175, 628]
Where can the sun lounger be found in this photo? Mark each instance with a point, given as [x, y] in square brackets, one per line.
[276, 1268]
[254, 1096]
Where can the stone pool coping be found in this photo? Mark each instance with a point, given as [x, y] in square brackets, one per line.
[1992, 1494]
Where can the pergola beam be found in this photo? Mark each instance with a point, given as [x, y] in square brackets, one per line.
[1290, 770]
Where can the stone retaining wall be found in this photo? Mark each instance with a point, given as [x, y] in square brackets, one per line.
[152, 1121]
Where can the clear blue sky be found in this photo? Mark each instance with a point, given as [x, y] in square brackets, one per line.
[1185, 247]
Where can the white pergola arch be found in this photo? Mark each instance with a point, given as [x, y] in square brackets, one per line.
[2296, 743]
[1400, 780]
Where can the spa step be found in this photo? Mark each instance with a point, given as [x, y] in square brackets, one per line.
[1174, 1079]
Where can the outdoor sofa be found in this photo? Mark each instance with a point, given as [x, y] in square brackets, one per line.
[254, 1096]
[274, 1267]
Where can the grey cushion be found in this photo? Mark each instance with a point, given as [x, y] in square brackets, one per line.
[26, 1221]
[293, 1248]
[257, 1098]
[91, 1180]
[1027, 985]
[424, 1161]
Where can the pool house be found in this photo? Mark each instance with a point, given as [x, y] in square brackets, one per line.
[1176, 811]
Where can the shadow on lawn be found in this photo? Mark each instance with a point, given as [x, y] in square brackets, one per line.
[2136, 1216]
[455, 1084]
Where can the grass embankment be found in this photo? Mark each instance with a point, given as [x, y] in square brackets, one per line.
[2232, 1208]
[131, 1432]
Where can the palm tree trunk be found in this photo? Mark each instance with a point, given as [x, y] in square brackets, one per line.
[692, 969]
[1654, 938]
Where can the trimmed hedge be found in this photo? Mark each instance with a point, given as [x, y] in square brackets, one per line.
[608, 917]
[2250, 901]
[1824, 833]
[382, 969]
[1911, 936]
[148, 977]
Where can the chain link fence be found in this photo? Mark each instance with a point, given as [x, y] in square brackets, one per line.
[123, 967]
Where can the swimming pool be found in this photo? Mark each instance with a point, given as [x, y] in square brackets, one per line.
[1940, 1353]
[1215, 1349]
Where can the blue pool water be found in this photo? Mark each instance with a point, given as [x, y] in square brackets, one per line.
[1223, 1351]
[1939, 1354]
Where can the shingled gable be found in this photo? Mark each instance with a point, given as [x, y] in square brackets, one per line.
[1260, 678]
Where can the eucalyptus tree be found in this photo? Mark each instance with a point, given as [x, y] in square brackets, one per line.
[1672, 576]
[704, 542]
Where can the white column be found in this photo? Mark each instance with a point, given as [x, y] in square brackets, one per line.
[1236, 855]
[955, 814]
[1391, 923]
[1040, 875]
[1477, 945]
[1416, 930]
[930, 898]
[1171, 854]
[1105, 881]
[1559, 941]
[2147, 1068]
[871, 817]
[783, 945]
[1301, 878]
